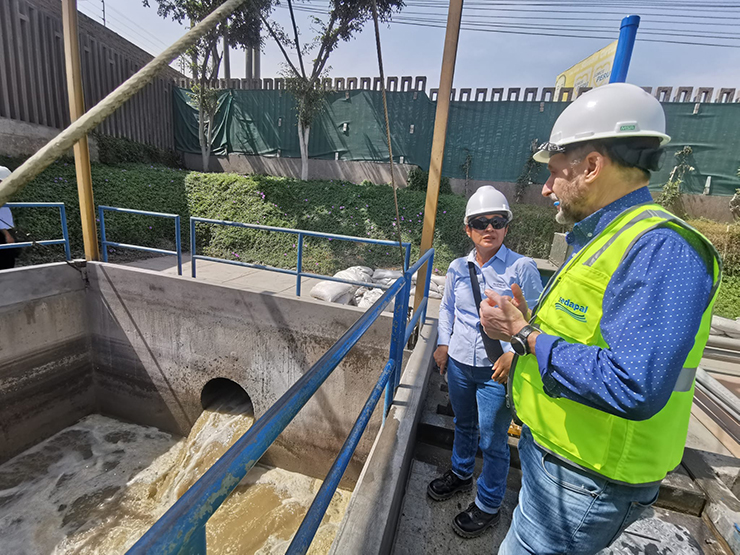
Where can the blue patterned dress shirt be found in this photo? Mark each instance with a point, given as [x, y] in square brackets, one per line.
[652, 310]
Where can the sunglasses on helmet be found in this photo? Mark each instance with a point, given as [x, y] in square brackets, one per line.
[498, 222]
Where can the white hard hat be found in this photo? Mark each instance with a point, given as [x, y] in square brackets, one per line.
[486, 200]
[612, 111]
[4, 172]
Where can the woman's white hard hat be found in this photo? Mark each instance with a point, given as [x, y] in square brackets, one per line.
[487, 200]
[4, 173]
[612, 111]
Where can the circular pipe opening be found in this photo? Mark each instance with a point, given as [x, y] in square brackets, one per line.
[225, 395]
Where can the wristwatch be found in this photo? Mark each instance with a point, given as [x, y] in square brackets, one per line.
[519, 341]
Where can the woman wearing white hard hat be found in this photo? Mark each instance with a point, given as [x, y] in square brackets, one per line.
[476, 366]
[7, 256]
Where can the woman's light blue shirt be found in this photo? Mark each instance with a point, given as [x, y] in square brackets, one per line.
[458, 314]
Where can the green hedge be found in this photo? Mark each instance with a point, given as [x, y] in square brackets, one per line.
[342, 208]
[145, 187]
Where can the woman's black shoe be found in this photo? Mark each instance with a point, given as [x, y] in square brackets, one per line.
[448, 485]
[472, 522]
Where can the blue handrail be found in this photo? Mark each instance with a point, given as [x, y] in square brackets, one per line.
[63, 216]
[302, 234]
[182, 528]
[105, 243]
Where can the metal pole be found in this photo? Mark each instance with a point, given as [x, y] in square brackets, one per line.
[299, 266]
[178, 245]
[65, 232]
[623, 55]
[103, 240]
[227, 62]
[192, 247]
[440, 133]
[76, 111]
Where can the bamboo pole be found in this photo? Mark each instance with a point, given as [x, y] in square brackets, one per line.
[449, 55]
[76, 111]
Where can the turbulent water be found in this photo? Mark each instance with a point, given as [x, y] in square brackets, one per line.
[97, 486]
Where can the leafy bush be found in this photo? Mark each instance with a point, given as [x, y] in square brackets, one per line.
[418, 180]
[144, 187]
[726, 239]
[120, 150]
[342, 208]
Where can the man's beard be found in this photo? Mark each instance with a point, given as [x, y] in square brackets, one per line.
[561, 218]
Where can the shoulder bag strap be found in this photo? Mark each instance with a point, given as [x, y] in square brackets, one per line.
[492, 346]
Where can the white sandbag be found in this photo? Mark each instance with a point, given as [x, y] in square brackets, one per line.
[381, 274]
[432, 294]
[387, 282]
[439, 280]
[342, 293]
[332, 292]
[357, 297]
[370, 297]
[356, 273]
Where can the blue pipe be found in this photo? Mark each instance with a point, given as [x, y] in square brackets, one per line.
[192, 247]
[178, 245]
[103, 242]
[299, 265]
[627, 36]
[311, 522]
[65, 232]
[190, 513]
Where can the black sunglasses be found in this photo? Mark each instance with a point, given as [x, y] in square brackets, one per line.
[498, 222]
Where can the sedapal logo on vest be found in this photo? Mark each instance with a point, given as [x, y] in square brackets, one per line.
[574, 310]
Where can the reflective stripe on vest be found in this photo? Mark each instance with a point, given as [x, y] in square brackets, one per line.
[571, 307]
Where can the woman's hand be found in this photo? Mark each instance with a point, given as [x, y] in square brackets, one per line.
[440, 357]
[501, 367]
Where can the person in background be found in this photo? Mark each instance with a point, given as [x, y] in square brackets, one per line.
[7, 256]
[476, 373]
[603, 377]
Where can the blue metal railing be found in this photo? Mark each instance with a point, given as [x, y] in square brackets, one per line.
[298, 272]
[63, 216]
[105, 243]
[182, 529]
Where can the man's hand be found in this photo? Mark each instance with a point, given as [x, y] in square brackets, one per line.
[500, 317]
[440, 357]
[501, 367]
[519, 301]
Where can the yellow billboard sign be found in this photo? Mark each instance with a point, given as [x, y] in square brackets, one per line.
[593, 71]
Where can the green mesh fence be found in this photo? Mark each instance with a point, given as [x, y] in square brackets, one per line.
[494, 138]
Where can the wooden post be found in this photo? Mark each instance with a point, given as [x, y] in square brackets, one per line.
[76, 110]
[440, 133]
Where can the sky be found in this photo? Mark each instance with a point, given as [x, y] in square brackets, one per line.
[496, 59]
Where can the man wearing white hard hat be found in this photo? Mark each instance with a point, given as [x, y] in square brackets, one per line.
[7, 256]
[603, 377]
[476, 365]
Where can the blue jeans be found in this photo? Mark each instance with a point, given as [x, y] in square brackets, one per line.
[563, 509]
[480, 410]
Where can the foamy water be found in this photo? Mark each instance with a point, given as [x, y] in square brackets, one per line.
[97, 486]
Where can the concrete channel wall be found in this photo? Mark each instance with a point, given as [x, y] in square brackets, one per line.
[46, 379]
[140, 346]
[157, 340]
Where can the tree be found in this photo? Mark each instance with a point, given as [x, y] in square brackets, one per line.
[344, 19]
[241, 29]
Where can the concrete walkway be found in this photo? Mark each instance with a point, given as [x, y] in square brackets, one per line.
[251, 279]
